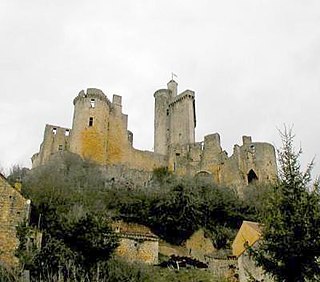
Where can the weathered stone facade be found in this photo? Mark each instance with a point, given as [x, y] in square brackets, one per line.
[99, 132]
[14, 208]
[137, 243]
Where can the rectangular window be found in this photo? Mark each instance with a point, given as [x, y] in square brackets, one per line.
[67, 132]
[92, 103]
[60, 147]
[54, 131]
[90, 121]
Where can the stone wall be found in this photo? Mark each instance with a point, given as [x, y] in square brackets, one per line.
[55, 139]
[137, 243]
[247, 269]
[13, 209]
[136, 249]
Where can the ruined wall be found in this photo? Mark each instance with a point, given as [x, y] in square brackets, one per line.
[13, 209]
[99, 133]
[55, 139]
[249, 162]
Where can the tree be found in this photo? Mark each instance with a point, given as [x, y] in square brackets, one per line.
[290, 245]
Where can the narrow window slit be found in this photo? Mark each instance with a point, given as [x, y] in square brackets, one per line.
[91, 121]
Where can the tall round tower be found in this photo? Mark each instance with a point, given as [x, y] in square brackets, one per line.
[161, 121]
[90, 125]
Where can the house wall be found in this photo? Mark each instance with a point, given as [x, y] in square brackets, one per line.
[138, 250]
[13, 209]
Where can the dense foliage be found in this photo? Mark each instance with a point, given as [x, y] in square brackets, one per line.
[290, 246]
[72, 201]
[173, 207]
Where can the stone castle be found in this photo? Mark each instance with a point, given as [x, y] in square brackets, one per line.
[99, 132]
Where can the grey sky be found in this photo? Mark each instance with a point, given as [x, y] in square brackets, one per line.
[254, 65]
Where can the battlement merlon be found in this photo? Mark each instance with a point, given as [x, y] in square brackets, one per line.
[117, 103]
[246, 140]
[92, 93]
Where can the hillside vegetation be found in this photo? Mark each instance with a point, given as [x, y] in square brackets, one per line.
[73, 204]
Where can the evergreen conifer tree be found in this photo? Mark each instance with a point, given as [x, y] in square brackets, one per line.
[290, 245]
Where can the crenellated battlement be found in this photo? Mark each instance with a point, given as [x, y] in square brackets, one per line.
[187, 94]
[92, 93]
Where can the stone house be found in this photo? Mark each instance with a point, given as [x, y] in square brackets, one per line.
[248, 235]
[137, 243]
[14, 209]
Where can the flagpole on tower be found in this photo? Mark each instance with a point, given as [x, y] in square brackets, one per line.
[173, 75]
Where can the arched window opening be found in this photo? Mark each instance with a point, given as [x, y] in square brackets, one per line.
[204, 174]
[252, 176]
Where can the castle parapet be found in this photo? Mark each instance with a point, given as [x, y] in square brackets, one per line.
[93, 93]
[185, 94]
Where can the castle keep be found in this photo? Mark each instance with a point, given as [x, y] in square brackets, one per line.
[99, 132]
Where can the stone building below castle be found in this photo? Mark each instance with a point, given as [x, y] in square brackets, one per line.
[99, 132]
[14, 210]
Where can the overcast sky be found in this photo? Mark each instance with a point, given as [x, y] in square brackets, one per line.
[253, 64]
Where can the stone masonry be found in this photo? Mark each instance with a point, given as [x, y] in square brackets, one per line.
[14, 209]
[137, 243]
[99, 132]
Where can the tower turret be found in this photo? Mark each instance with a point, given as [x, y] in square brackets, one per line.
[174, 118]
[173, 88]
[90, 125]
[161, 121]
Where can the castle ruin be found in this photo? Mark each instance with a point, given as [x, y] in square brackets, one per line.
[99, 132]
